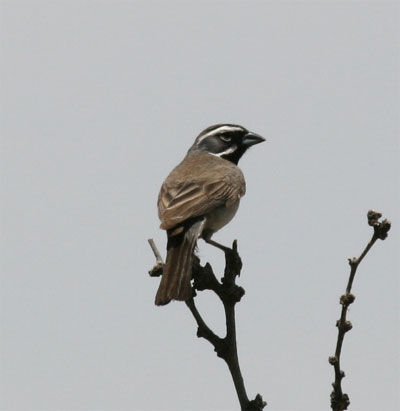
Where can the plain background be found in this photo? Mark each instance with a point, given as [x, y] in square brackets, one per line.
[100, 99]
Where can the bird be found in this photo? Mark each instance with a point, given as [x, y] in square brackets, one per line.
[199, 197]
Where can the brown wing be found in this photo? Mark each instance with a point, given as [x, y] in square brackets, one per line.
[197, 187]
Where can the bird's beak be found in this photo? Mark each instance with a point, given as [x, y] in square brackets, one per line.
[252, 138]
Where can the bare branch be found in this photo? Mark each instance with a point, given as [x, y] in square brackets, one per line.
[339, 400]
[230, 294]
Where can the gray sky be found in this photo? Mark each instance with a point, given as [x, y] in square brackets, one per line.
[99, 101]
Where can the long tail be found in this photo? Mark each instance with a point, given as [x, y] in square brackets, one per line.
[177, 271]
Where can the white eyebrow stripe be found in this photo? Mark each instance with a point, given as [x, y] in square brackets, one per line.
[219, 130]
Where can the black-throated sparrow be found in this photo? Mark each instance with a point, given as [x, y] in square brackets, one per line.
[199, 197]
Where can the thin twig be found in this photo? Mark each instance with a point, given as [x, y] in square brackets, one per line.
[203, 329]
[157, 254]
[157, 270]
[339, 400]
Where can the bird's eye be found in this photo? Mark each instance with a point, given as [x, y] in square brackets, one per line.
[225, 138]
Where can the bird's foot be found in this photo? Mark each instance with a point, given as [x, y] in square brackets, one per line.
[218, 245]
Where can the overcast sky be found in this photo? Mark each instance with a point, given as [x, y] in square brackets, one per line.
[100, 100]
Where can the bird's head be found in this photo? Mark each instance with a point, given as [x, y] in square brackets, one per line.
[228, 141]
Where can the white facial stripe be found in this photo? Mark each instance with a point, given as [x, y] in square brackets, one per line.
[219, 130]
[229, 151]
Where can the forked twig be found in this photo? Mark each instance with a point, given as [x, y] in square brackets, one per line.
[230, 294]
[339, 400]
